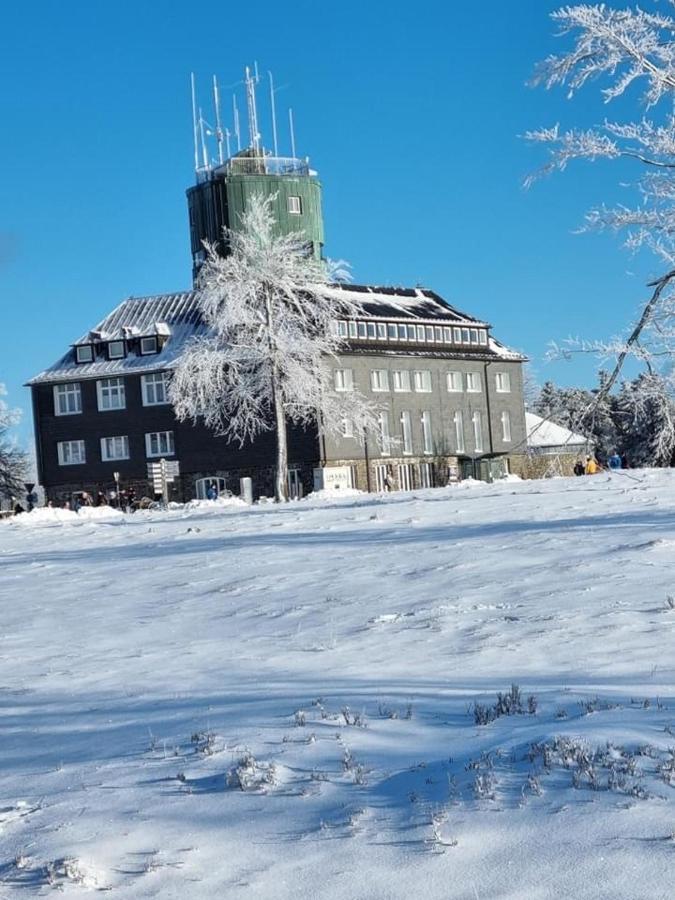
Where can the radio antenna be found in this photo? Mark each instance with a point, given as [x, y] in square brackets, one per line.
[274, 116]
[219, 129]
[195, 134]
[237, 130]
[205, 157]
[254, 134]
[292, 130]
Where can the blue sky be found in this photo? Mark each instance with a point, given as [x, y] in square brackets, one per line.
[410, 112]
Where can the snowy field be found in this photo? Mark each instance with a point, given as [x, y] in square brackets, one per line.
[301, 702]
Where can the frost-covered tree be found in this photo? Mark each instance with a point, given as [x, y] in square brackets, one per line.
[12, 459]
[620, 49]
[271, 311]
[645, 418]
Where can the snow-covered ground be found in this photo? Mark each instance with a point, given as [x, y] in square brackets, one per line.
[282, 702]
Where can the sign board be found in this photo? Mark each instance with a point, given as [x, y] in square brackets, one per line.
[163, 473]
[332, 478]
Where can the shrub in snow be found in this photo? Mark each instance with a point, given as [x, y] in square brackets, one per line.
[250, 775]
[508, 704]
[204, 742]
[356, 719]
[484, 786]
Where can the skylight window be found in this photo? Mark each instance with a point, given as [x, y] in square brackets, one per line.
[85, 353]
[148, 346]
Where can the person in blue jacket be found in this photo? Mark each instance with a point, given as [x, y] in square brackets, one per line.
[614, 461]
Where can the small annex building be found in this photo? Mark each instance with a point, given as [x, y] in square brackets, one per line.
[552, 449]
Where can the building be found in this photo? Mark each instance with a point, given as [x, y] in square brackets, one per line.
[551, 449]
[451, 395]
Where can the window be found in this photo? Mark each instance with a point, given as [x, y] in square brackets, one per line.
[420, 332]
[392, 331]
[84, 354]
[204, 485]
[465, 336]
[477, 420]
[361, 329]
[110, 392]
[503, 382]
[458, 335]
[474, 335]
[381, 479]
[342, 329]
[506, 427]
[155, 389]
[405, 477]
[426, 475]
[422, 381]
[413, 333]
[473, 382]
[347, 428]
[483, 337]
[353, 331]
[401, 381]
[148, 345]
[439, 334]
[459, 431]
[427, 438]
[159, 443]
[379, 380]
[430, 333]
[455, 382]
[447, 335]
[372, 331]
[294, 205]
[116, 350]
[71, 453]
[115, 448]
[402, 333]
[385, 437]
[406, 431]
[381, 331]
[344, 380]
[67, 399]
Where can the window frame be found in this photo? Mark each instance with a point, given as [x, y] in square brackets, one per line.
[477, 424]
[105, 457]
[145, 383]
[112, 355]
[385, 434]
[450, 380]
[427, 433]
[155, 345]
[61, 456]
[501, 379]
[406, 433]
[82, 347]
[426, 376]
[99, 394]
[478, 383]
[458, 422]
[297, 211]
[346, 376]
[170, 443]
[382, 377]
[506, 427]
[404, 378]
[70, 387]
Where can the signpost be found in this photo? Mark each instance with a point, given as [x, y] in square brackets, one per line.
[162, 474]
[30, 496]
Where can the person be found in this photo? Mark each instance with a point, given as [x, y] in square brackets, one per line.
[77, 503]
[614, 461]
[212, 493]
[579, 468]
[591, 465]
[18, 508]
[101, 499]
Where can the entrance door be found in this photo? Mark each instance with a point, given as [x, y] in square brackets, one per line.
[405, 477]
[426, 475]
[381, 479]
[203, 486]
[294, 484]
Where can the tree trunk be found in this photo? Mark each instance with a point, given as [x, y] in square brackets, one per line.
[281, 488]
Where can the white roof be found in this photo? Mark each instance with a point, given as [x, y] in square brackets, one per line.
[544, 433]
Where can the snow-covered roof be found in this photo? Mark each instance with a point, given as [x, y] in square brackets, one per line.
[543, 433]
[175, 318]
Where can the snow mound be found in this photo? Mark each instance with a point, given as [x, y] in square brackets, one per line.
[48, 515]
[333, 494]
[218, 503]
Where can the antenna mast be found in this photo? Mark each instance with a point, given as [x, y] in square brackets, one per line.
[292, 129]
[237, 130]
[219, 129]
[252, 113]
[205, 156]
[274, 116]
[194, 120]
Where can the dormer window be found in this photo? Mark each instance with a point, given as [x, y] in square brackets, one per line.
[84, 354]
[148, 346]
[116, 350]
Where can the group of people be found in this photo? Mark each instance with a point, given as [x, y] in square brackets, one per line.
[592, 466]
[126, 501]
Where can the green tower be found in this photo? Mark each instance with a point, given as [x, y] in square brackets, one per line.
[224, 187]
